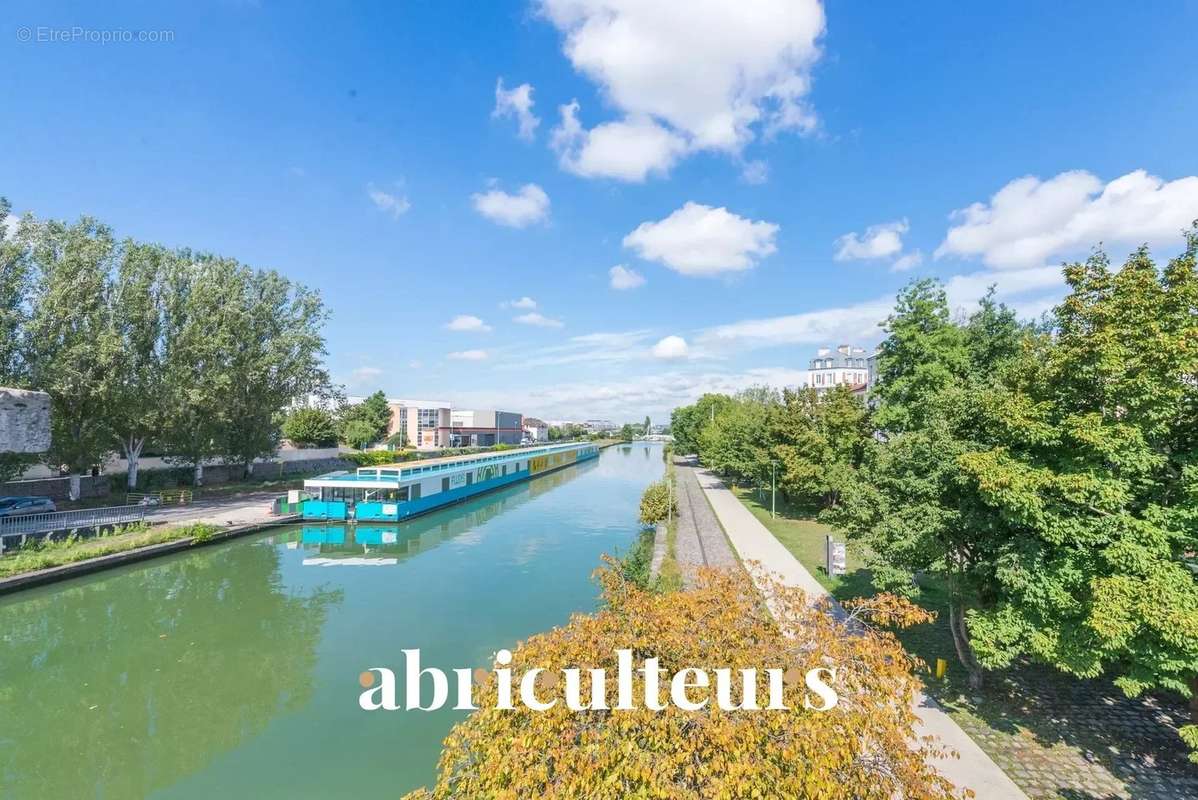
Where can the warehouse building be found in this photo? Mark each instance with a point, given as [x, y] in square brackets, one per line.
[486, 428]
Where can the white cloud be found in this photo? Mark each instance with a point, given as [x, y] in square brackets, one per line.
[628, 150]
[530, 204]
[469, 355]
[415, 363]
[711, 77]
[965, 290]
[539, 320]
[907, 261]
[517, 103]
[701, 240]
[624, 278]
[363, 376]
[525, 302]
[394, 204]
[592, 349]
[879, 241]
[671, 347]
[466, 322]
[1031, 221]
[630, 397]
[859, 323]
[755, 172]
[845, 324]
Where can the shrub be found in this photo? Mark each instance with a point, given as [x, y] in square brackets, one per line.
[656, 503]
[636, 567]
[863, 748]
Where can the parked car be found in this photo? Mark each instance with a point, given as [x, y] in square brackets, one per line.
[19, 506]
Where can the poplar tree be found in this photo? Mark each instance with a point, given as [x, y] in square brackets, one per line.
[14, 294]
[137, 410]
[72, 346]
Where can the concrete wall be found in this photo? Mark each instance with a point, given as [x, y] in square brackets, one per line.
[24, 421]
[214, 474]
[119, 466]
[58, 488]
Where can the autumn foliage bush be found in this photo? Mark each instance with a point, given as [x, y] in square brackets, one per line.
[862, 748]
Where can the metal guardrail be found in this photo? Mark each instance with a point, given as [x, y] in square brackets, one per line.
[39, 524]
[167, 497]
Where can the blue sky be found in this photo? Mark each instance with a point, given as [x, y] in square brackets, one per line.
[773, 177]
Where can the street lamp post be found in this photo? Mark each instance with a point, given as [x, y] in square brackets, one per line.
[669, 501]
[773, 490]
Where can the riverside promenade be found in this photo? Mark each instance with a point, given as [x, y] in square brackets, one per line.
[753, 542]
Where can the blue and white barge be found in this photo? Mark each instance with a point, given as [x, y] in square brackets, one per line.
[397, 491]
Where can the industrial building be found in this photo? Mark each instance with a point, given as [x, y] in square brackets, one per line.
[486, 428]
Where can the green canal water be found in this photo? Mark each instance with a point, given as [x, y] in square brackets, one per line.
[232, 671]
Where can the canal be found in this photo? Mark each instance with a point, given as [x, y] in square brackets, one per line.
[232, 671]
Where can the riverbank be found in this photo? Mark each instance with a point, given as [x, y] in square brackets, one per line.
[70, 558]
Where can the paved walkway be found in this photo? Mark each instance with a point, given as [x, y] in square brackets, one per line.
[700, 541]
[753, 542]
[239, 509]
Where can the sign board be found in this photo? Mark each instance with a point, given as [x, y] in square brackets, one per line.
[457, 481]
[390, 509]
[836, 557]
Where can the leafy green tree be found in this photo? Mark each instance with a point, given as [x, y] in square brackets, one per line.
[687, 422]
[72, 345]
[275, 361]
[627, 432]
[15, 280]
[201, 297]
[818, 441]
[923, 352]
[993, 337]
[358, 433]
[648, 426]
[310, 427]
[907, 503]
[736, 442]
[373, 413]
[1093, 483]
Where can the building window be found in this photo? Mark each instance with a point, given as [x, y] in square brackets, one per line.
[445, 484]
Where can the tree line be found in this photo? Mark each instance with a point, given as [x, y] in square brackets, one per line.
[137, 343]
[1045, 473]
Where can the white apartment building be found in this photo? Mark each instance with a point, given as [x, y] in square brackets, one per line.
[845, 364]
[536, 430]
